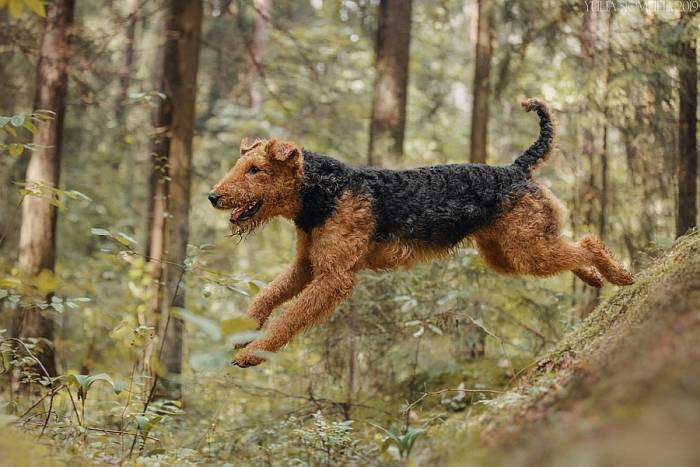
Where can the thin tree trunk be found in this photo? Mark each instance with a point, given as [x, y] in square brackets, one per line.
[248, 83]
[258, 48]
[588, 39]
[388, 120]
[602, 215]
[686, 216]
[482, 72]
[171, 179]
[37, 245]
[129, 15]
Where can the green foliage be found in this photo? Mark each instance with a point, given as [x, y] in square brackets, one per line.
[421, 351]
[16, 6]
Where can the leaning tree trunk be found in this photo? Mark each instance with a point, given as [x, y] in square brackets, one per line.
[37, 245]
[388, 121]
[686, 217]
[176, 77]
[482, 72]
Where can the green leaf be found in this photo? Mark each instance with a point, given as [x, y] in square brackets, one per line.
[124, 239]
[45, 281]
[100, 232]
[141, 421]
[37, 6]
[16, 150]
[17, 120]
[206, 325]
[158, 367]
[3, 120]
[30, 126]
[235, 325]
[15, 8]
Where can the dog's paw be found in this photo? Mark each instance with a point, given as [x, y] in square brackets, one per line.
[246, 358]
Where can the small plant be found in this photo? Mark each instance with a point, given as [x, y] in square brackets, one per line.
[402, 441]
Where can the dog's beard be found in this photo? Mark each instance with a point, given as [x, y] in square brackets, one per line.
[246, 228]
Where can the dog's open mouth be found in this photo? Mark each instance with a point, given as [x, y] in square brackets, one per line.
[245, 212]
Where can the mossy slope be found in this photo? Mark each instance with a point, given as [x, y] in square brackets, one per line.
[622, 389]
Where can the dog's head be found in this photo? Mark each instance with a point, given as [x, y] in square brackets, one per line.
[263, 183]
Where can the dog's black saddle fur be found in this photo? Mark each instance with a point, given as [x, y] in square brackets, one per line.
[439, 205]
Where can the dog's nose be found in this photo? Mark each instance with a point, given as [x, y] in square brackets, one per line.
[214, 198]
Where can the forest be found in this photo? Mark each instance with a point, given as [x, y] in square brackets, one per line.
[123, 292]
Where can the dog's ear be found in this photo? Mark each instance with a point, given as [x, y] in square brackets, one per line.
[245, 146]
[281, 150]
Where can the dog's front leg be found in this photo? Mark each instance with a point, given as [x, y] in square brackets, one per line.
[315, 303]
[285, 286]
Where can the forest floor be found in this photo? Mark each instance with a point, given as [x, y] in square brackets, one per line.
[622, 389]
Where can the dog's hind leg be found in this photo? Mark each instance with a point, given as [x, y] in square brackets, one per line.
[530, 243]
[590, 276]
[604, 262]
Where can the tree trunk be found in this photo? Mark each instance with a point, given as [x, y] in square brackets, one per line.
[588, 39]
[129, 15]
[686, 216]
[482, 72]
[37, 245]
[247, 88]
[170, 179]
[258, 48]
[388, 120]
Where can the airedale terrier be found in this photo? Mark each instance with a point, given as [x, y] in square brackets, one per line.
[348, 219]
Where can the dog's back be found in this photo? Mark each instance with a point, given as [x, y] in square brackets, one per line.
[439, 205]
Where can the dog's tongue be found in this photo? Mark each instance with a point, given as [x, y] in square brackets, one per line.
[236, 214]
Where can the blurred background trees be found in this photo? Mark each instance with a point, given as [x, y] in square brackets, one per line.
[154, 112]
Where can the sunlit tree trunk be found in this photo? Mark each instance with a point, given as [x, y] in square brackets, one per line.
[258, 48]
[388, 120]
[686, 215]
[248, 86]
[482, 72]
[176, 78]
[37, 244]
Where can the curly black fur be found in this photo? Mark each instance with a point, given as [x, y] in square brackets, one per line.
[439, 205]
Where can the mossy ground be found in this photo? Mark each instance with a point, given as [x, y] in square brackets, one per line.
[622, 389]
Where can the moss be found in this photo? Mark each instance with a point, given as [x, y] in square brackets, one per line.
[622, 372]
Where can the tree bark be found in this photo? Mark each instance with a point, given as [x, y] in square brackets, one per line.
[176, 77]
[588, 39]
[37, 245]
[686, 216]
[129, 15]
[388, 120]
[482, 72]
[258, 48]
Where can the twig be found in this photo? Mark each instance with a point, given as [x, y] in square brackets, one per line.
[160, 352]
[43, 368]
[443, 391]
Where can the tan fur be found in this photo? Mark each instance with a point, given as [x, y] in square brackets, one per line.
[336, 252]
[524, 240]
[276, 186]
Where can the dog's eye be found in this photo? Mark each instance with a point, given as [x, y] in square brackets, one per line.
[253, 169]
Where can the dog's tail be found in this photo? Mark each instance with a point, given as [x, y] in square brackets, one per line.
[542, 148]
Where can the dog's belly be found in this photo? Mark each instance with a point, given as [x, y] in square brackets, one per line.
[395, 253]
